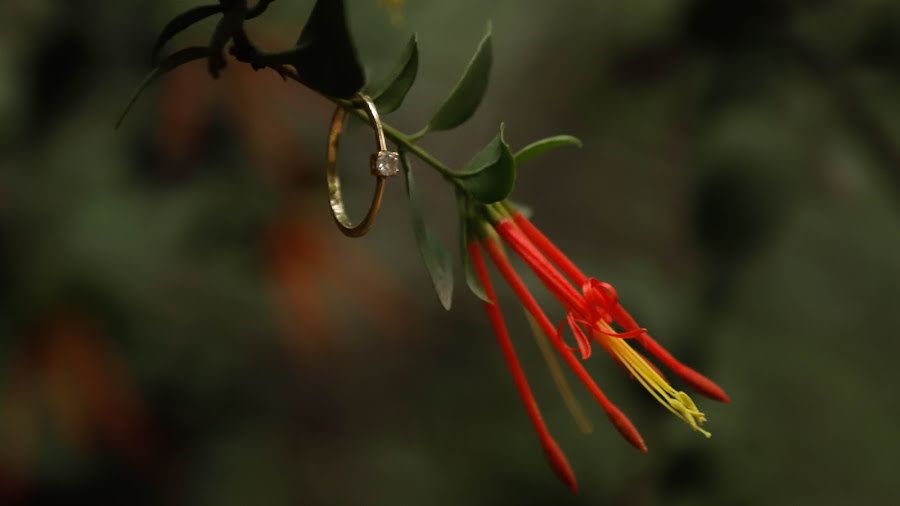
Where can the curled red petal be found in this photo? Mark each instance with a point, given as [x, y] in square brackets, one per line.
[559, 336]
[619, 420]
[601, 299]
[615, 312]
[608, 289]
[584, 343]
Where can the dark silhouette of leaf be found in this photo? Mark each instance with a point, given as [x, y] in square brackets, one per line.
[325, 58]
[179, 24]
[168, 64]
[229, 25]
[437, 258]
[389, 96]
[472, 280]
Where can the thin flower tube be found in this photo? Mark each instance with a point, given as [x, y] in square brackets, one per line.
[618, 419]
[555, 455]
[697, 381]
[594, 310]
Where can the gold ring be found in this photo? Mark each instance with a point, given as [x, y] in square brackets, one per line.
[382, 164]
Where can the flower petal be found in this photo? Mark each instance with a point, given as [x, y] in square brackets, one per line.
[584, 343]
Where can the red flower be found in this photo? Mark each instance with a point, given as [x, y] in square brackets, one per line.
[697, 381]
[554, 454]
[593, 313]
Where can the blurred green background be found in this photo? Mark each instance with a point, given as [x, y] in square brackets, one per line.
[181, 323]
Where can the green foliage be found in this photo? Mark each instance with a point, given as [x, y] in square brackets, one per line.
[325, 57]
[179, 24]
[538, 148]
[469, 91]
[465, 234]
[436, 256]
[389, 96]
[491, 174]
[170, 63]
[675, 101]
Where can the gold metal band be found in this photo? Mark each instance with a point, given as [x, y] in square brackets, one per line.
[383, 164]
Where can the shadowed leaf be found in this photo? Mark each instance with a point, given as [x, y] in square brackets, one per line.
[231, 22]
[389, 96]
[435, 255]
[324, 57]
[179, 24]
[469, 91]
[168, 64]
[472, 280]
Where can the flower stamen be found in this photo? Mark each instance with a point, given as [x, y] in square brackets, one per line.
[615, 415]
[676, 401]
[622, 318]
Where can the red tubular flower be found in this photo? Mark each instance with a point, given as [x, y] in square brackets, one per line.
[619, 420]
[697, 381]
[555, 456]
[592, 314]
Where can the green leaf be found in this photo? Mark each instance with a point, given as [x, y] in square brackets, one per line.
[389, 96]
[325, 57]
[232, 21]
[466, 96]
[435, 255]
[472, 280]
[538, 148]
[168, 64]
[491, 174]
[179, 24]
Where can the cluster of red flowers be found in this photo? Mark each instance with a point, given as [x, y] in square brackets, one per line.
[592, 313]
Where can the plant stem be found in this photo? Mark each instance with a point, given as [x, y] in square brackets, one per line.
[251, 55]
[407, 141]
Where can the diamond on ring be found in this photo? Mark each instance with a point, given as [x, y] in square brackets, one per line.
[386, 164]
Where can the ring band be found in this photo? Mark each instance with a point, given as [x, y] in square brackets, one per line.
[383, 164]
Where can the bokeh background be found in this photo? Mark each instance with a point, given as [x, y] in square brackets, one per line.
[181, 323]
